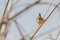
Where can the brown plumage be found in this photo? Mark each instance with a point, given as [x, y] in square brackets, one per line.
[40, 20]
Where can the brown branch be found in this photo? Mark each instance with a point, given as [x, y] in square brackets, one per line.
[52, 11]
[24, 10]
[57, 35]
[4, 13]
[41, 3]
[47, 10]
[3, 33]
[6, 7]
[38, 28]
[47, 32]
[11, 7]
[23, 38]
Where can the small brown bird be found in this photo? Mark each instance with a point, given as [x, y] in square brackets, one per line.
[40, 20]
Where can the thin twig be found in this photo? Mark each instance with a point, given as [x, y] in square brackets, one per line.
[19, 30]
[52, 11]
[41, 3]
[57, 34]
[24, 10]
[48, 9]
[51, 36]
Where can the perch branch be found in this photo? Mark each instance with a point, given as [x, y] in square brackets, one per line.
[38, 28]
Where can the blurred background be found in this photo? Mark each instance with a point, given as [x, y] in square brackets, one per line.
[27, 19]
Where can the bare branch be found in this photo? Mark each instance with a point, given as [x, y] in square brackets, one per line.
[47, 10]
[4, 13]
[6, 7]
[38, 28]
[51, 36]
[47, 32]
[3, 32]
[19, 30]
[24, 10]
[52, 11]
[11, 7]
[57, 34]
